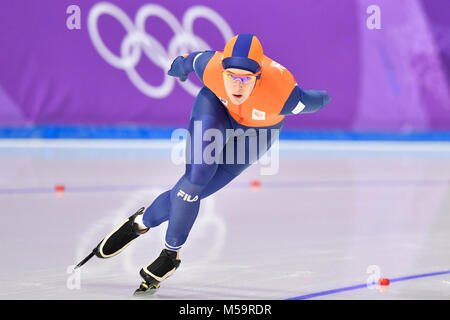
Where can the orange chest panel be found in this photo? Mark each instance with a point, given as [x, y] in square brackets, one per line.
[267, 99]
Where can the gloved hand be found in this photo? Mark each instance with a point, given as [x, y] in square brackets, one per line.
[314, 100]
[177, 69]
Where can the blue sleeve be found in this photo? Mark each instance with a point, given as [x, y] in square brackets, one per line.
[200, 61]
[305, 101]
[197, 62]
[181, 67]
[188, 62]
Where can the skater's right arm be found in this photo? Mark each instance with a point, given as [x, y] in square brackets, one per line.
[196, 61]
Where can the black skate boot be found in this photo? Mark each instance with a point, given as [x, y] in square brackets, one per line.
[118, 239]
[162, 268]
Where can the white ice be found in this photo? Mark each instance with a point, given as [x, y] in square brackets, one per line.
[332, 210]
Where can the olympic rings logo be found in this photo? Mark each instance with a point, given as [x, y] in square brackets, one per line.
[138, 42]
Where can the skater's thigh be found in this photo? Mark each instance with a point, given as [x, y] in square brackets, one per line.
[247, 146]
[207, 137]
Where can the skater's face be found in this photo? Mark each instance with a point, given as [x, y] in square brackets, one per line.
[239, 84]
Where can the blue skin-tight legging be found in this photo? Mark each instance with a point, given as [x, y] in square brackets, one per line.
[203, 178]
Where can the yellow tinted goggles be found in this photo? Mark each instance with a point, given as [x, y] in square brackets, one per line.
[247, 78]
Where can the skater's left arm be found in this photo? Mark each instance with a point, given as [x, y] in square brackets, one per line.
[305, 101]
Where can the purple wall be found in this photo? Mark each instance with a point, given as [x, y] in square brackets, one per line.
[395, 78]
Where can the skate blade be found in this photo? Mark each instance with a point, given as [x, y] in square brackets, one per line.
[144, 292]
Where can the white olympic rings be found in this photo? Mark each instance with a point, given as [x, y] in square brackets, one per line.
[137, 41]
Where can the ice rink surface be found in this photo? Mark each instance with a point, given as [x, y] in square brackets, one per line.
[334, 216]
